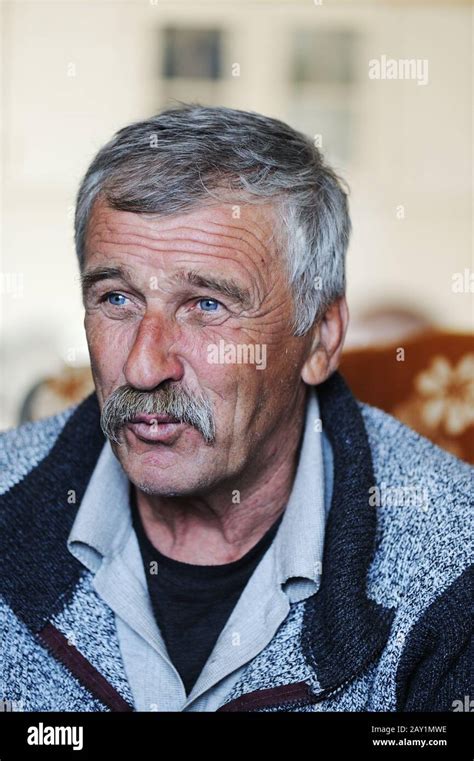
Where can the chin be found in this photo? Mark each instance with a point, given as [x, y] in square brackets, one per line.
[156, 491]
[163, 472]
[163, 488]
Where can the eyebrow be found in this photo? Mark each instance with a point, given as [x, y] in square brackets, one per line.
[90, 278]
[227, 286]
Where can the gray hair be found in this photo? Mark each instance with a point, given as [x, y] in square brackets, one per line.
[193, 155]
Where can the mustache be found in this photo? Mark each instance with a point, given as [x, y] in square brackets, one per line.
[125, 403]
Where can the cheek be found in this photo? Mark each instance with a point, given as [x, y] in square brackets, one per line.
[108, 353]
[236, 391]
[286, 361]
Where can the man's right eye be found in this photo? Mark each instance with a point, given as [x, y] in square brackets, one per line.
[115, 299]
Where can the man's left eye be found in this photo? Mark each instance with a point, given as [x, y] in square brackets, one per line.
[208, 305]
[116, 299]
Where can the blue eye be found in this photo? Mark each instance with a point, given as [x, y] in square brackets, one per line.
[115, 299]
[208, 305]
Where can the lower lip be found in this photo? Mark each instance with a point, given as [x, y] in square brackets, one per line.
[158, 432]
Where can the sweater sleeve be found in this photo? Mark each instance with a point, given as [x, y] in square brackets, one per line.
[435, 670]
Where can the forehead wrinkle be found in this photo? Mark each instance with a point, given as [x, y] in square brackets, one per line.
[243, 250]
[153, 242]
[221, 215]
[206, 233]
[260, 241]
[249, 262]
[266, 235]
[126, 221]
[153, 239]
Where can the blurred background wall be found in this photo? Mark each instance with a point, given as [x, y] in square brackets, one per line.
[75, 71]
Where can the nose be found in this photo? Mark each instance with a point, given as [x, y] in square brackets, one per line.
[152, 358]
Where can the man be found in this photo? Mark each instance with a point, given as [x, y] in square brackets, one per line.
[209, 530]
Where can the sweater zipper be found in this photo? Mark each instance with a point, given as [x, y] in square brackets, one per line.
[84, 672]
[284, 705]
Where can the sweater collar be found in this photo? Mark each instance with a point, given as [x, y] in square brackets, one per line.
[344, 630]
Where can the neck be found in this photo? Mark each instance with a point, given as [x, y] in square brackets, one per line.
[207, 530]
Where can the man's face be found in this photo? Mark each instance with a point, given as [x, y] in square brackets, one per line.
[198, 303]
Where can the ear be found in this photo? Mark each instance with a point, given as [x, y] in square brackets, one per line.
[326, 345]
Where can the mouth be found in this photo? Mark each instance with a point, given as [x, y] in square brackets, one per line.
[154, 419]
[155, 428]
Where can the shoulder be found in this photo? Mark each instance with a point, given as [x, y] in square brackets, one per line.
[400, 452]
[422, 498]
[23, 448]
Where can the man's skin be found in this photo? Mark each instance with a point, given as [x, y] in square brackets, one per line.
[157, 327]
